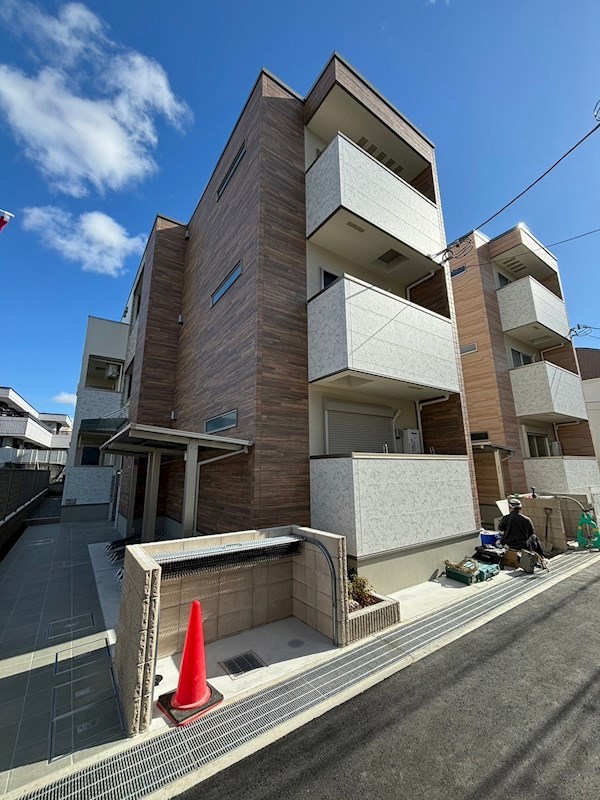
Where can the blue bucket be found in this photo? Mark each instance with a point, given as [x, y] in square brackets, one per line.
[489, 538]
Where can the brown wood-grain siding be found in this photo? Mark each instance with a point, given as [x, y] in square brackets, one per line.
[443, 428]
[589, 362]
[563, 356]
[424, 183]
[338, 72]
[487, 477]
[432, 294]
[576, 440]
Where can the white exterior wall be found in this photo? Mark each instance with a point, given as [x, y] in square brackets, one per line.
[566, 475]
[88, 485]
[527, 301]
[544, 388]
[384, 503]
[356, 326]
[346, 176]
[103, 338]
[92, 404]
[26, 428]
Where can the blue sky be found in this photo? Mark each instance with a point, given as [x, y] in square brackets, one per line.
[111, 112]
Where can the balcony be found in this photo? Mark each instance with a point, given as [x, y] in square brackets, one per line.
[562, 475]
[545, 392]
[362, 336]
[387, 502]
[26, 428]
[532, 313]
[360, 209]
[519, 252]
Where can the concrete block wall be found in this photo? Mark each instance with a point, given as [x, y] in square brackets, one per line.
[137, 634]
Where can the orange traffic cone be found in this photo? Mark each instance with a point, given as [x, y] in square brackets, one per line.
[194, 696]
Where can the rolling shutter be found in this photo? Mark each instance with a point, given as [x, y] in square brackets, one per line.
[350, 432]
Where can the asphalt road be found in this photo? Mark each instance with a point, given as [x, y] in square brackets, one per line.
[509, 711]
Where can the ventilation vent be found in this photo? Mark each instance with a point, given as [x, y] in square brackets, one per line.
[245, 662]
[380, 156]
[356, 227]
[468, 348]
[514, 265]
[480, 436]
[362, 141]
[390, 256]
[398, 169]
[371, 149]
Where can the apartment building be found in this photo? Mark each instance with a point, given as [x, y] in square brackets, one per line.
[525, 402]
[292, 354]
[28, 437]
[589, 366]
[91, 480]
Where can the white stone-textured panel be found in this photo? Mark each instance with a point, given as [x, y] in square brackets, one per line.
[25, 428]
[327, 333]
[88, 484]
[386, 503]
[356, 326]
[527, 301]
[544, 388]
[332, 501]
[345, 175]
[323, 187]
[566, 475]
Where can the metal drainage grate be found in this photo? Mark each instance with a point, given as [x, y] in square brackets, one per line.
[245, 662]
[150, 765]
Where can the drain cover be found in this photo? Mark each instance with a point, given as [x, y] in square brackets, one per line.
[245, 662]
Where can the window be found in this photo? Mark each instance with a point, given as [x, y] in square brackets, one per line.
[231, 170]
[480, 436]
[538, 445]
[468, 348]
[220, 423]
[458, 271]
[227, 283]
[327, 278]
[520, 359]
[90, 456]
[503, 280]
[103, 374]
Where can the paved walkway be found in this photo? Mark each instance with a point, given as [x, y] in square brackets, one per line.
[58, 695]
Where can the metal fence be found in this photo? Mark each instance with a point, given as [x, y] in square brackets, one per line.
[10, 455]
[18, 486]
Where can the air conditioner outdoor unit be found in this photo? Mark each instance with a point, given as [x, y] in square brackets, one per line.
[111, 372]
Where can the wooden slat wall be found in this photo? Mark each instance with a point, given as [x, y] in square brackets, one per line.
[589, 362]
[443, 428]
[576, 440]
[564, 357]
[424, 183]
[432, 294]
[487, 477]
[552, 282]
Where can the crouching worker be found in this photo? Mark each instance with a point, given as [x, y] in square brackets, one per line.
[518, 532]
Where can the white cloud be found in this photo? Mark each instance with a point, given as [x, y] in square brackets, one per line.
[94, 240]
[65, 398]
[87, 116]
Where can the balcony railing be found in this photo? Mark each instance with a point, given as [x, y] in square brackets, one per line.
[353, 326]
[546, 392]
[562, 475]
[387, 502]
[532, 313]
[346, 177]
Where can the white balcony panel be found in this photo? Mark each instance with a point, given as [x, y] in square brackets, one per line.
[88, 485]
[25, 428]
[562, 475]
[61, 441]
[546, 392]
[345, 176]
[358, 327]
[532, 313]
[383, 503]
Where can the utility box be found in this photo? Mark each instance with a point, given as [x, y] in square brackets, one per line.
[411, 441]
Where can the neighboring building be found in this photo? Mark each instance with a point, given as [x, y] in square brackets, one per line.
[29, 438]
[90, 481]
[589, 365]
[297, 338]
[527, 414]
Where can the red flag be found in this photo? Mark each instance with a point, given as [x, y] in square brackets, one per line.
[4, 218]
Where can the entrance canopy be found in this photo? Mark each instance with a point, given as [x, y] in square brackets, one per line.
[154, 442]
[135, 439]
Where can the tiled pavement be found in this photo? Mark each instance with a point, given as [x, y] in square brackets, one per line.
[57, 694]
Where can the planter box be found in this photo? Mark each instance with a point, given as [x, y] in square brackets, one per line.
[372, 619]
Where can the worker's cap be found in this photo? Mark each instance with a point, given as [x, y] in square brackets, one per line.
[514, 502]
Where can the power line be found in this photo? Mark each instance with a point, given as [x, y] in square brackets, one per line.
[537, 180]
